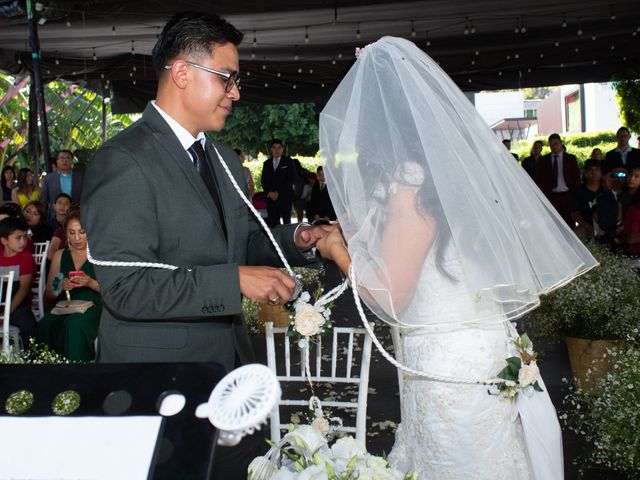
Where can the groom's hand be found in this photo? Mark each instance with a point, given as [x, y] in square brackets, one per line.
[307, 236]
[266, 284]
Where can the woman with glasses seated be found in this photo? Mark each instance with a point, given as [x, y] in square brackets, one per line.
[72, 277]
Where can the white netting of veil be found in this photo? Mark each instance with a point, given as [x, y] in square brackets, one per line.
[398, 119]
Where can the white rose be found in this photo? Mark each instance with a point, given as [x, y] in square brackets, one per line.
[321, 424]
[344, 449]
[308, 320]
[528, 374]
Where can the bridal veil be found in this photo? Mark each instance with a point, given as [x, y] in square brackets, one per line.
[397, 118]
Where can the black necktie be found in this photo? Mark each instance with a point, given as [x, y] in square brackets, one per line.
[555, 170]
[197, 153]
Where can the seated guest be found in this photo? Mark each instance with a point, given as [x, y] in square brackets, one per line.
[529, 163]
[596, 154]
[584, 200]
[608, 212]
[630, 192]
[26, 191]
[72, 335]
[319, 207]
[624, 155]
[15, 257]
[35, 215]
[60, 207]
[632, 229]
[8, 182]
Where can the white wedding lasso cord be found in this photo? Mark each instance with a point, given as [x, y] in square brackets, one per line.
[324, 299]
[393, 361]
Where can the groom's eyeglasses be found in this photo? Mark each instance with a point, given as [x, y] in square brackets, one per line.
[232, 78]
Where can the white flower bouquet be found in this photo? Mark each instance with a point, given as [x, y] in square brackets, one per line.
[608, 416]
[602, 304]
[304, 454]
[521, 373]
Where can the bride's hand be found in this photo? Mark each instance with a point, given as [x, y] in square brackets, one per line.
[332, 246]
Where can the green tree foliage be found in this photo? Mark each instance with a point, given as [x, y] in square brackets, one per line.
[537, 93]
[628, 90]
[74, 115]
[250, 128]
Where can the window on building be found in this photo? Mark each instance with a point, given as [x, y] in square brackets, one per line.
[573, 112]
[530, 113]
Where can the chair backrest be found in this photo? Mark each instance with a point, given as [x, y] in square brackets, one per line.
[41, 249]
[6, 285]
[334, 369]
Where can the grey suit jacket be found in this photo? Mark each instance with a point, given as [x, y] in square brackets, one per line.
[51, 187]
[145, 201]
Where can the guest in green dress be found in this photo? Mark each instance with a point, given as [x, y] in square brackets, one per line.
[72, 335]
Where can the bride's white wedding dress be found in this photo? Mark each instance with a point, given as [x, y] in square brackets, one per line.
[449, 430]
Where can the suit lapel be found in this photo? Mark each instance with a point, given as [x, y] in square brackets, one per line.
[165, 137]
[226, 191]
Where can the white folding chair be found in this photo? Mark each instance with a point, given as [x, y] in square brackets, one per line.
[40, 256]
[340, 372]
[8, 331]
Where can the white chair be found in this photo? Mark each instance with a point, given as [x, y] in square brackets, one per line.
[340, 371]
[8, 331]
[41, 249]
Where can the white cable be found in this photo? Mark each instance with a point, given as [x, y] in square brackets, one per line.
[387, 355]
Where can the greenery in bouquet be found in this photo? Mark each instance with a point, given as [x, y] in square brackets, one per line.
[602, 304]
[311, 280]
[304, 453]
[608, 417]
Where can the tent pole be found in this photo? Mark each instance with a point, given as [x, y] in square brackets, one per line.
[34, 143]
[37, 81]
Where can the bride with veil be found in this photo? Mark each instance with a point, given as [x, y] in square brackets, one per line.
[450, 242]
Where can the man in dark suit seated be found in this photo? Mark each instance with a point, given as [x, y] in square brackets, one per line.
[319, 206]
[278, 176]
[558, 175]
[624, 155]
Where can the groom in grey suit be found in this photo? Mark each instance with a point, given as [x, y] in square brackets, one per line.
[158, 193]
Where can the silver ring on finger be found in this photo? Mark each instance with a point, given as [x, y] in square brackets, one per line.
[275, 300]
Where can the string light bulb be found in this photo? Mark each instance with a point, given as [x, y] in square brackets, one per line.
[413, 31]
[113, 30]
[358, 35]
[255, 41]
[68, 23]
[306, 34]
[133, 47]
[94, 55]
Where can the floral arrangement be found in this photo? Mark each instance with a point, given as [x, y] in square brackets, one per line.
[311, 279]
[304, 453]
[521, 373]
[309, 320]
[36, 354]
[602, 304]
[608, 417]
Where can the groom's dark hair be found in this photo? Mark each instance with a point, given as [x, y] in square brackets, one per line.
[191, 34]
